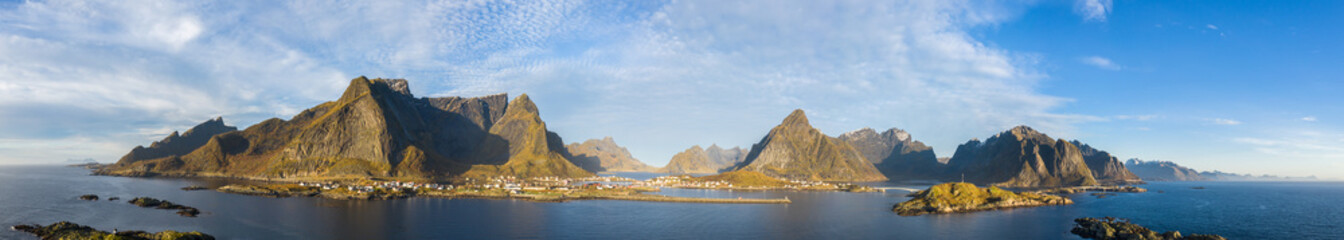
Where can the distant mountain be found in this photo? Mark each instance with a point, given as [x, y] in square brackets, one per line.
[896, 154]
[714, 159]
[795, 150]
[1105, 168]
[179, 145]
[1021, 157]
[378, 129]
[692, 160]
[1222, 176]
[605, 155]
[1162, 171]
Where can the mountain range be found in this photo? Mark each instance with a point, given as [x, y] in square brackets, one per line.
[377, 128]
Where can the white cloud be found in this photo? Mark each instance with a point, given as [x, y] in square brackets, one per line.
[1211, 27]
[658, 75]
[1309, 119]
[1100, 62]
[1229, 122]
[1093, 10]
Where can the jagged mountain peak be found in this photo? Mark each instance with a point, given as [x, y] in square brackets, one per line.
[796, 119]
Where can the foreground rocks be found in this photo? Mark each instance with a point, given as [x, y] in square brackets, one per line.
[88, 197]
[68, 230]
[146, 202]
[1111, 228]
[966, 197]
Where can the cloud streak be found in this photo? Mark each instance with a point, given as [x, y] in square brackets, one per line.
[1100, 62]
[659, 75]
[1093, 10]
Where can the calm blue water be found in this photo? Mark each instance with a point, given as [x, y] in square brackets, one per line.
[1238, 210]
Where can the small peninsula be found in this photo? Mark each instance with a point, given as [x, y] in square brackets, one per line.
[68, 230]
[1109, 228]
[966, 197]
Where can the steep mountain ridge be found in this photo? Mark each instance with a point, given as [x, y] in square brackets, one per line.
[378, 129]
[1021, 157]
[896, 154]
[796, 150]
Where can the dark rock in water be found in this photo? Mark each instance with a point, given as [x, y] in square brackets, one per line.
[1111, 228]
[89, 197]
[1197, 187]
[113, 198]
[193, 188]
[1103, 194]
[146, 202]
[68, 230]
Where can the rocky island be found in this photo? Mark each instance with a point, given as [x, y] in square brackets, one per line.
[965, 197]
[146, 202]
[1115, 229]
[68, 230]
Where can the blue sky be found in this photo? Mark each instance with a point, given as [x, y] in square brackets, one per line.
[1237, 86]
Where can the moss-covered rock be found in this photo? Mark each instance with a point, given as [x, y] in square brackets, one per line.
[67, 230]
[966, 197]
[1109, 228]
[146, 202]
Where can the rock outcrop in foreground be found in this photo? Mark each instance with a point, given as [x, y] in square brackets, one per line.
[605, 156]
[1021, 157]
[795, 150]
[377, 129]
[68, 230]
[896, 154]
[1112, 229]
[965, 197]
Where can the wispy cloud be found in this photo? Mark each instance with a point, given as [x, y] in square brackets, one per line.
[659, 75]
[1137, 117]
[1223, 121]
[1093, 10]
[1308, 119]
[1211, 27]
[1100, 62]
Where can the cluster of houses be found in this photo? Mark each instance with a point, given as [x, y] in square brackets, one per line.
[366, 188]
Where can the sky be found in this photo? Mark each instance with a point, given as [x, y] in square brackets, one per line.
[1236, 86]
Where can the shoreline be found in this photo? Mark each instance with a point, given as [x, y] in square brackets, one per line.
[622, 195]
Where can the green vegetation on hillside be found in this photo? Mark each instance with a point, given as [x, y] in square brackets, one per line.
[966, 197]
[746, 179]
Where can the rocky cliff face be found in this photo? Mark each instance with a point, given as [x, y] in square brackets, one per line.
[1105, 168]
[378, 129]
[179, 145]
[795, 150]
[1021, 157]
[895, 154]
[1162, 171]
[605, 155]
